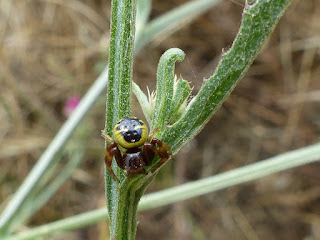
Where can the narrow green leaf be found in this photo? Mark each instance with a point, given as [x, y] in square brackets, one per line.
[257, 24]
[143, 12]
[165, 86]
[182, 91]
[143, 101]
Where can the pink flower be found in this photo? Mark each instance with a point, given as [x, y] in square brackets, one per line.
[70, 105]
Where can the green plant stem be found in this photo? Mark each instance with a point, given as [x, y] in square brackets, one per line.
[189, 190]
[121, 208]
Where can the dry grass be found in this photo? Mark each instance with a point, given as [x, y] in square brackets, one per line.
[50, 50]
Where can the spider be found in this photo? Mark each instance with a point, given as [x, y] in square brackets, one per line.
[133, 148]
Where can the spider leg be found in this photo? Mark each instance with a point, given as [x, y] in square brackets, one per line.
[109, 152]
[107, 137]
[164, 151]
[152, 134]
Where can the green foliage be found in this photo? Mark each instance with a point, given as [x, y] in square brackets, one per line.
[181, 94]
[164, 104]
[177, 124]
[257, 24]
[118, 106]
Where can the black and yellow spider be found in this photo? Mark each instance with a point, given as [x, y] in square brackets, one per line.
[133, 148]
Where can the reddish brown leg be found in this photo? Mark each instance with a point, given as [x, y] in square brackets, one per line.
[109, 152]
[164, 151]
[152, 134]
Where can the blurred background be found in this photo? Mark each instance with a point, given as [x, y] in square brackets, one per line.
[51, 51]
